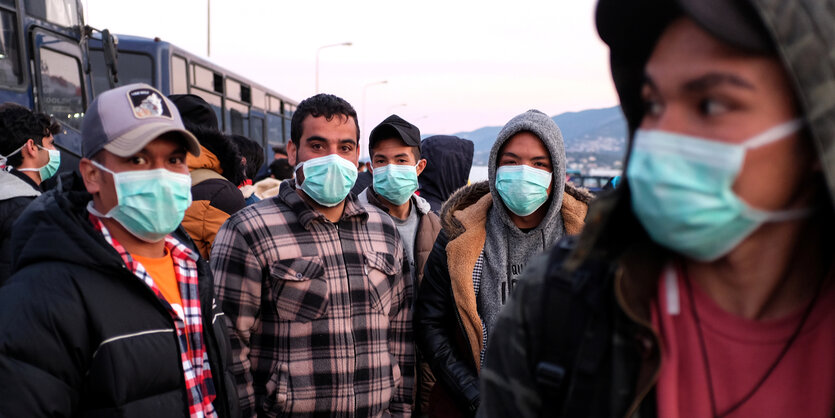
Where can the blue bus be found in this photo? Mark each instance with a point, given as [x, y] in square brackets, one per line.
[243, 106]
[44, 65]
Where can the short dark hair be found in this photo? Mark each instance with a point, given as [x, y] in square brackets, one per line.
[392, 133]
[322, 104]
[18, 124]
[252, 151]
[281, 169]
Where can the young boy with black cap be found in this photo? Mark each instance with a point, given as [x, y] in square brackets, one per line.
[394, 146]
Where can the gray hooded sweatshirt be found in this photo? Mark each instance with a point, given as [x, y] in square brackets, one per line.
[507, 248]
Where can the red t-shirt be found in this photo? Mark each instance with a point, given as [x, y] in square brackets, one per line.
[740, 351]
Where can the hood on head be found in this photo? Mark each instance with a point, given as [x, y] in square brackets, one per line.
[801, 46]
[549, 133]
[448, 163]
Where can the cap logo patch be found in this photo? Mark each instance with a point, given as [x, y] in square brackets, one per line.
[147, 103]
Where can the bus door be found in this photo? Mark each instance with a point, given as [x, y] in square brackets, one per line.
[60, 90]
[14, 80]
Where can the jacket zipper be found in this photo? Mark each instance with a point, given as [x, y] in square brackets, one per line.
[463, 331]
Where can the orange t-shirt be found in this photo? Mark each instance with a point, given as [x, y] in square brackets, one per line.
[161, 269]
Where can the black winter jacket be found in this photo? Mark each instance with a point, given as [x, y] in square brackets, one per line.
[81, 336]
[16, 193]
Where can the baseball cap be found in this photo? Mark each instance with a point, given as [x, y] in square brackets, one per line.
[395, 127]
[125, 119]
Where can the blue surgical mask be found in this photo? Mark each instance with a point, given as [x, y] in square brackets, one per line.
[328, 179]
[47, 170]
[682, 191]
[523, 189]
[396, 183]
[151, 203]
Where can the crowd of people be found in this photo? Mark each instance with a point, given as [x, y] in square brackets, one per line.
[176, 273]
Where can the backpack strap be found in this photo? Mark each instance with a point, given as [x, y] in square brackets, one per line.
[571, 342]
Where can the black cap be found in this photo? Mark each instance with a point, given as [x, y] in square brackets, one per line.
[195, 111]
[280, 149]
[395, 127]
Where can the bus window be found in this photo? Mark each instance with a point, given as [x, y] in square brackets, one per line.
[207, 79]
[59, 12]
[62, 90]
[238, 114]
[233, 89]
[179, 75]
[259, 98]
[10, 74]
[133, 68]
[274, 129]
[256, 131]
[275, 105]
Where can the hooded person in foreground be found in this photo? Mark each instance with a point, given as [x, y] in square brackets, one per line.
[109, 311]
[703, 285]
[489, 232]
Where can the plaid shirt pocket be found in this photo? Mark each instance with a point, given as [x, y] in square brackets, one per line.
[300, 289]
[277, 389]
[381, 271]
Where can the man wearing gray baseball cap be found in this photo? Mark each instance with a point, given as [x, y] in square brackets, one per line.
[109, 310]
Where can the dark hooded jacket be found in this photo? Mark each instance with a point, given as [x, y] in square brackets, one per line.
[16, 193]
[81, 336]
[451, 321]
[215, 176]
[448, 163]
[576, 339]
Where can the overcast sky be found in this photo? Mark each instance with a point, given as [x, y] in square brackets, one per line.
[457, 65]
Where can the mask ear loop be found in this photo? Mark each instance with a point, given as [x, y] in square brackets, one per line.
[295, 177]
[774, 134]
[5, 158]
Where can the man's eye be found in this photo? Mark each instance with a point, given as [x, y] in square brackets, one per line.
[316, 147]
[711, 107]
[137, 160]
[347, 148]
[652, 107]
[177, 160]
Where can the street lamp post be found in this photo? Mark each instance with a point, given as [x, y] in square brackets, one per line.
[317, 59]
[208, 28]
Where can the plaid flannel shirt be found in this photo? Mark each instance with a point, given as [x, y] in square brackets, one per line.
[321, 320]
[198, 376]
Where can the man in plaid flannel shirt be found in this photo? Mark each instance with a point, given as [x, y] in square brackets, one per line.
[107, 312]
[315, 286]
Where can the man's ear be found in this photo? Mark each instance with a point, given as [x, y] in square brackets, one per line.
[91, 175]
[420, 166]
[29, 150]
[292, 153]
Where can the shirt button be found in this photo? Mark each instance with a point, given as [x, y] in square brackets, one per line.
[298, 275]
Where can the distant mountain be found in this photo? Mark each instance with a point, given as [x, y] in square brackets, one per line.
[594, 132]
